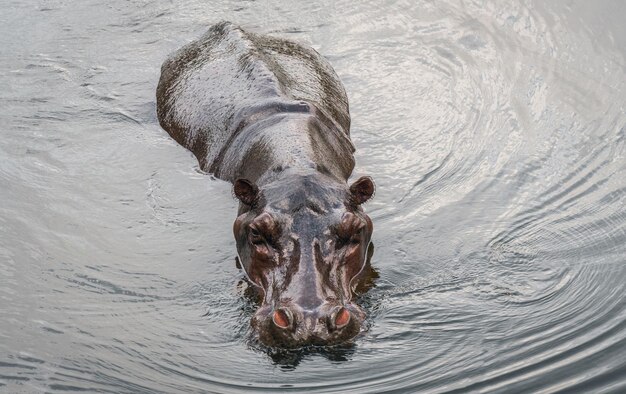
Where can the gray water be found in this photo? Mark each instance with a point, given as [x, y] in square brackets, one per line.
[495, 132]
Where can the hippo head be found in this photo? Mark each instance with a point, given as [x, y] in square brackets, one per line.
[303, 242]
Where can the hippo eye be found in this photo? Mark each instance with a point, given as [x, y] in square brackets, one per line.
[355, 240]
[351, 241]
[255, 236]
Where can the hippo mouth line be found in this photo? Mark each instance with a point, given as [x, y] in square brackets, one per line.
[314, 329]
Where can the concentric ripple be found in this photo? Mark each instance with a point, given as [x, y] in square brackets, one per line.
[495, 132]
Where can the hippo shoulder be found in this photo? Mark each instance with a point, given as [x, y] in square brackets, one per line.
[207, 86]
[305, 75]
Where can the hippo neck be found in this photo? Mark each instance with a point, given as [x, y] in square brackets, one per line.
[302, 190]
[269, 143]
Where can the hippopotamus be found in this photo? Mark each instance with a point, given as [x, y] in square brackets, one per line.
[271, 116]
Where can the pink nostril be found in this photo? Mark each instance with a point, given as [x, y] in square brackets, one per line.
[281, 318]
[342, 318]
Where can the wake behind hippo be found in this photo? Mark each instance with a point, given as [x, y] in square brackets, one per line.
[271, 117]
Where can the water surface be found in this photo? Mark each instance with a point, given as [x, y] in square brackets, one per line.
[495, 132]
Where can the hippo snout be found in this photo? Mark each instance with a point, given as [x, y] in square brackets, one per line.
[293, 326]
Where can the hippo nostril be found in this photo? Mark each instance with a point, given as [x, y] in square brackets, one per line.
[282, 318]
[342, 317]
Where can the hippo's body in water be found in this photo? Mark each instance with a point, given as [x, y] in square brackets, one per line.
[271, 117]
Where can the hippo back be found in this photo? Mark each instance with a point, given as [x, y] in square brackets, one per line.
[211, 88]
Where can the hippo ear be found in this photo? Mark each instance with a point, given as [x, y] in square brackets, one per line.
[245, 191]
[362, 190]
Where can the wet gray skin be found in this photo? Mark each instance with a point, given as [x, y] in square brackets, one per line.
[271, 117]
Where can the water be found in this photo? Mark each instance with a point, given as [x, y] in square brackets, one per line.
[495, 132]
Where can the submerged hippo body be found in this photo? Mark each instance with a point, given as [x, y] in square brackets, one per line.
[271, 117]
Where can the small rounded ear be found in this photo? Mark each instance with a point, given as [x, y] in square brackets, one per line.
[362, 190]
[245, 191]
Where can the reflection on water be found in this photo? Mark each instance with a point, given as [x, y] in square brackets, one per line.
[495, 132]
[290, 359]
